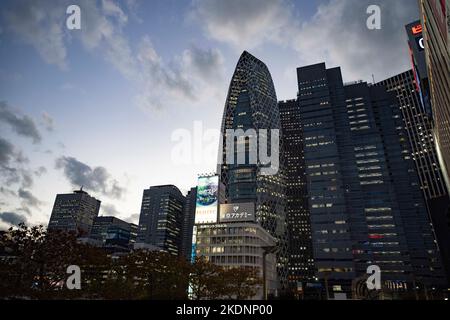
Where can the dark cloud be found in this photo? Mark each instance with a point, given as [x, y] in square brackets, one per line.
[6, 151]
[205, 63]
[96, 179]
[28, 198]
[27, 178]
[338, 35]
[22, 124]
[12, 169]
[12, 218]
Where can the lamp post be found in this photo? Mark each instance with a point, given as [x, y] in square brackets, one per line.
[266, 250]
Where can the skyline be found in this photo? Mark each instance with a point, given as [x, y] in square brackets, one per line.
[89, 115]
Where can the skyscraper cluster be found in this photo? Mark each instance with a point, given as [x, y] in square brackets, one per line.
[361, 180]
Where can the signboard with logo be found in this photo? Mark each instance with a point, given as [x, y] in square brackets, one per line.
[207, 200]
[237, 212]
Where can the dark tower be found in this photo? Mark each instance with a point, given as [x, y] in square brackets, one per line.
[252, 105]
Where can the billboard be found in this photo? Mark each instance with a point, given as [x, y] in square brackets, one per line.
[207, 200]
[237, 212]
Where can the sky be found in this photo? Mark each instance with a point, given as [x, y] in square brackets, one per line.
[102, 107]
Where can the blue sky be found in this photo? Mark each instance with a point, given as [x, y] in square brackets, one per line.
[98, 106]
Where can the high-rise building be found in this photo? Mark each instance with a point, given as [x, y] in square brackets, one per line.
[114, 232]
[435, 16]
[74, 212]
[188, 223]
[161, 218]
[365, 202]
[416, 46]
[301, 263]
[419, 126]
[251, 105]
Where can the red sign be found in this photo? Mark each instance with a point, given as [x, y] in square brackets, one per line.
[417, 29]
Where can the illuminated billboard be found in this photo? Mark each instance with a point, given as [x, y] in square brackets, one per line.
[237, 212]
[207, 200]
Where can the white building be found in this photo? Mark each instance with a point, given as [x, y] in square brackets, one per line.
[238, 244]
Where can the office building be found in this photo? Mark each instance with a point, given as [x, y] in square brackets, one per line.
[188, 223]
[74, 212]
[419, 126]
[301, 263]
[435, 16]
[114, 232]
[161, 218]
[366, 206]
[251, 107]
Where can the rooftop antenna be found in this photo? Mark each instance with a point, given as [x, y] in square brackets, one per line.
[373, 78]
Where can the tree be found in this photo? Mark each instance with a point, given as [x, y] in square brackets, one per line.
[36, 262]
[241, 282]
[204, 280]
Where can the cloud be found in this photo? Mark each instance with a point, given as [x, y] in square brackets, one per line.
[40, 24]
[12, 218]
[40, 171]
[205, 63]
[7, 192]
[48, 121]
[96, 179]
[110, 210]
[29, 200]
[192, 77]
[134, 218]
[243, 24]
[6, 151]
[338, 35]
[22, 124]
[185, 78]
[13, 168]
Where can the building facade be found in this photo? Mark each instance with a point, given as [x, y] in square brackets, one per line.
[365, 202]
[188, 223]
[251, 104]
[435, 16]
[161, 218]
[301, 262]
[74, 212]
[114, 232]
[419, 126]
[239, 244]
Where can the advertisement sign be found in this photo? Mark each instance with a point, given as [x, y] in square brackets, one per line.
[237, 212]
[207, 200]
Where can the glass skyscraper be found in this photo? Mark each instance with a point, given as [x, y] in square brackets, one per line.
[301, 262]
[419, 126]
[161, 218]
[365, 202]
[74, 212]
[252, 104]
[436, 32]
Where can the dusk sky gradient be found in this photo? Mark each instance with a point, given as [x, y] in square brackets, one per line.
[97, 106]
